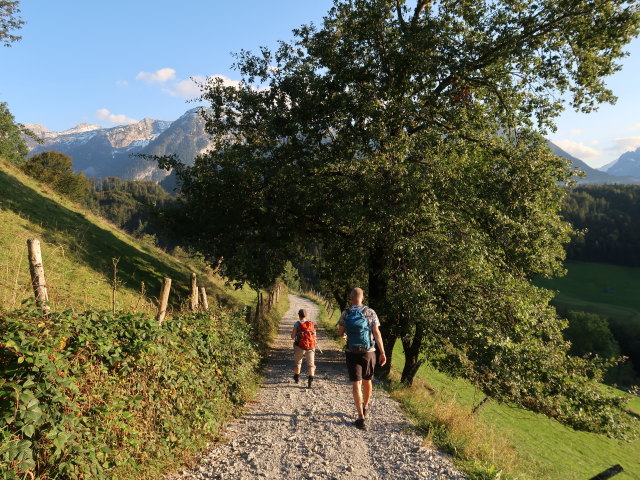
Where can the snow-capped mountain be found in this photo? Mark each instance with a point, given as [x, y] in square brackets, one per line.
[627, 164]
[103, 152]
[593, 176]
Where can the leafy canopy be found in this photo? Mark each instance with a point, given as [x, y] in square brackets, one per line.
[398, 146]
[9, 21]
[12, 145]
[56, 169]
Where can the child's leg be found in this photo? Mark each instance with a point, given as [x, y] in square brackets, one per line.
[298, 353]
[311, 362]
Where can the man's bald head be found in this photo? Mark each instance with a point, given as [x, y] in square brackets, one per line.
[357, 295]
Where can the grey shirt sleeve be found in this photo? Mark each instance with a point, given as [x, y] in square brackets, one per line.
[342, 319]
[372, 316]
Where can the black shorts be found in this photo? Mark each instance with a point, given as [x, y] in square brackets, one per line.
[361, 365]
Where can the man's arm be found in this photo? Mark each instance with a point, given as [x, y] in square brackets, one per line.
[342, 326]
[378, 337]
[293, 333]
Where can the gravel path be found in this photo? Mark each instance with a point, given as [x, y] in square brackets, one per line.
[292, 432]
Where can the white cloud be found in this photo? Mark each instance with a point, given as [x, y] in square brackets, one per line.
[625, 144]
[159, 76]
[122, 83]
[186, 89]
[635, 126]
[595, 142]
[577, 149]
[106, 116]
[576, 131]
[226, 81]
[192, 88]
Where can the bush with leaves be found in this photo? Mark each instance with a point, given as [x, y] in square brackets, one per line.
[56, 169]
[94, 395]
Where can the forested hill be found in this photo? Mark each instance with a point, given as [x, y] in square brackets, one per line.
[609, 216]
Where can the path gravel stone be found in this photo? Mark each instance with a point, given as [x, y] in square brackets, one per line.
[292, 432]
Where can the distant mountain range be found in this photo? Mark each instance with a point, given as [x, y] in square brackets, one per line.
[593, 176]
[107, 152]
[627, 164]
[103, 152]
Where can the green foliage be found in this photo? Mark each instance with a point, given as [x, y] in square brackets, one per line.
[609, 291]
[141, 208]
[12, 145]
[9, 22]
[609, 217]
[56, 169]
[291, 277]
[399, 147]
[590, 334]
[95, 394]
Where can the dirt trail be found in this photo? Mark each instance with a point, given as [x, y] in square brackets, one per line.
[297, 433]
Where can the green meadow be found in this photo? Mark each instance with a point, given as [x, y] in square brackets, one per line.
[544, 448]
[608, 290]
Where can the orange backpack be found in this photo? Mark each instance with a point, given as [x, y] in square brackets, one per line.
[306, 335]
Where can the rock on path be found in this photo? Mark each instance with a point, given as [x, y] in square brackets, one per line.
[297, 433]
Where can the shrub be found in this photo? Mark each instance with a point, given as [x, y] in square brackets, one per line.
[97, 394]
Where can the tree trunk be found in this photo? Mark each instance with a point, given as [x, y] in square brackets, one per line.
[378, 285]
[412, 360]
[341, 297]
[389, 339]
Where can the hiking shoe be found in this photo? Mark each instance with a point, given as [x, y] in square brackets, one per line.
[296, 377]
[360, 424]
[309, 382]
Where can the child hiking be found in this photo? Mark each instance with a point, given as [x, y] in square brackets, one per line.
[304, 345]
[358, 325]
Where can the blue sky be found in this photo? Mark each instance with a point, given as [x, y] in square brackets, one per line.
[119, 61]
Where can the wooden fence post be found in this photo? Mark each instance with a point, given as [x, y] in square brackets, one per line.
[608, 473]
[164, 300]
[194, 293]
[37, 274]
[203, 298]
[258, 308]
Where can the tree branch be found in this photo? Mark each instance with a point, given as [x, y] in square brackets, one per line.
[403, 24]
[419, 8]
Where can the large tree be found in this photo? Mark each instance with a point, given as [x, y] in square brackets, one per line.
[56, 169]
[399, 147]
[12, 144]
[10, 21]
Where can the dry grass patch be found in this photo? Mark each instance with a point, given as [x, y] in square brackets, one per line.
[451, 427]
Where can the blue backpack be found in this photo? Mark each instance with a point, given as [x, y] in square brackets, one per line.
[358, 331]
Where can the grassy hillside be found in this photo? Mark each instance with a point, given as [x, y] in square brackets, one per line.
[600, 288]
[87, 393]
[544, 448]
[79, 249]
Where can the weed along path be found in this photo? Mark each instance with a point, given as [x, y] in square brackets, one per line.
[292, 432]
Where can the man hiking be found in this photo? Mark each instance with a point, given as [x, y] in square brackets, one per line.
[358, 325]
[304, 345]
